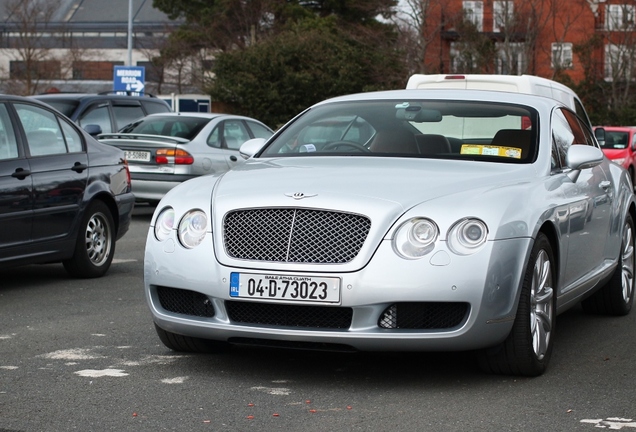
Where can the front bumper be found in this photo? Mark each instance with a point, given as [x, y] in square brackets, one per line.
[488, 282]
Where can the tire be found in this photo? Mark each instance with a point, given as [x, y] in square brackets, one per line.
[617, 296]
[95, 244]
[528, 348]
[189, 344]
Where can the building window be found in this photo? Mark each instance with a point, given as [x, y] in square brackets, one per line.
[561, 55]
[46, 69]
[618, 62]
[474, 13]
[510, 58]
[463, 60]
[620, 17]
[94, 70]
[502, 15]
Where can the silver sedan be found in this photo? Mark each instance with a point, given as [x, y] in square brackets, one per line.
[164, 150]
[407, 220]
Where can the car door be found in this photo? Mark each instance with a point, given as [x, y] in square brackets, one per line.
[224, 142]
[588, 201]
[16, 189]
[59, 170]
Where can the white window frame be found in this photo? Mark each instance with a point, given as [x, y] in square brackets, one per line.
[502, 13]
[474, 12]
[620, 17]
[454, 55]
[561, 55]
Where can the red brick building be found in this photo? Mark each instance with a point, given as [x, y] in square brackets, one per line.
[538, 37]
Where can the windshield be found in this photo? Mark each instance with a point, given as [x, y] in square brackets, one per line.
[615, 140]
[414, 128]
[172, 126]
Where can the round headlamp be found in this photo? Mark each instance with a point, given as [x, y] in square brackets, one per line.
[164, 224]
[192, 228]
[415, 238]
[467, 236]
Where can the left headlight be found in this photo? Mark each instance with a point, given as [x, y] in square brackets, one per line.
[415, 238]
[192, 228]
[467, 236]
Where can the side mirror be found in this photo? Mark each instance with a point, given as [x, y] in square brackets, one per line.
[250, 147]
[580, 157]
[93, 129]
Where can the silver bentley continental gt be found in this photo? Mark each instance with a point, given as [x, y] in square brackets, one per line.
[408, 220]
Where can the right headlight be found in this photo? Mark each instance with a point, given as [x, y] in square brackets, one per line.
[467, 236]
[164, 224]
[192, 228]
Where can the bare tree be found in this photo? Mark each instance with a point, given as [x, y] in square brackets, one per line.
[30, 43]
[418, 31]
[620, 52]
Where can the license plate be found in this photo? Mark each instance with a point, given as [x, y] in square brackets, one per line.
[142, 156]
[283, 287]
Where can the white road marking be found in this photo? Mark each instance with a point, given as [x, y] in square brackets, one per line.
[274, 391]
[120, 260]
[93, 373]
[613, 423]
[8, 367]
[5, 337]
[72, 354]
[177, 380]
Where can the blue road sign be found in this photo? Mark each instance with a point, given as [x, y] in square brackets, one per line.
[129, 79]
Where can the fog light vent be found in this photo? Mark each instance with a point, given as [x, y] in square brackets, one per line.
[424, 315]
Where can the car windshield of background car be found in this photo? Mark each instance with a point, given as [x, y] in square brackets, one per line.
[172, 126]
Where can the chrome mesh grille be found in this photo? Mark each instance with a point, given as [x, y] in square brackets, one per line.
[294, 235]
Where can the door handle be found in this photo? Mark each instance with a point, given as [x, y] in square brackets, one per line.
[605, 184]
[79, 167]
[21, 173]
[233, 158]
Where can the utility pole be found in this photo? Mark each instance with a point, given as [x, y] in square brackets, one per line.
[130, 20]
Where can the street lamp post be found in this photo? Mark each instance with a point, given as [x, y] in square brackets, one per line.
[130, 9]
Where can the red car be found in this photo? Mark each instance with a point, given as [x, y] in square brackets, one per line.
[620, 146]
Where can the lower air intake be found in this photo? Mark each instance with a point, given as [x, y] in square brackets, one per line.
[185, 302]
[424, 315]
[321, 317]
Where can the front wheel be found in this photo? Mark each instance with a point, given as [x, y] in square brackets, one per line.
[617, 296]
[95, 244]
[527, 349]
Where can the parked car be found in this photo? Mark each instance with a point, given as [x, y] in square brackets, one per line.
[64, 197]
[164, 150]
[467, 221]
[104, 112]
[619, 145]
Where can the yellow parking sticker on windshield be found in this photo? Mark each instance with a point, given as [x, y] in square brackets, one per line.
[488, 150]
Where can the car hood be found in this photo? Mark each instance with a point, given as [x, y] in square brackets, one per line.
[357, 183]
